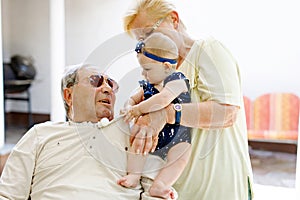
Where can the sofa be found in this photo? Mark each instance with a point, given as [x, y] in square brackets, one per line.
[273, 118]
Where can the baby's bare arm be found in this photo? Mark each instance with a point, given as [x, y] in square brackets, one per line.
[133, 100]
[171, 90]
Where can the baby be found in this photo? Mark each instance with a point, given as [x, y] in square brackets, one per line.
[158, 56]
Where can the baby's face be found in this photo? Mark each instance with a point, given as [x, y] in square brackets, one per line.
[153, 71]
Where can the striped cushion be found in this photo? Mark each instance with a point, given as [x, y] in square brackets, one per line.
[248, 111]
[275, 116]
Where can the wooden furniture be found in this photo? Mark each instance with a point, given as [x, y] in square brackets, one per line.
[17, 90]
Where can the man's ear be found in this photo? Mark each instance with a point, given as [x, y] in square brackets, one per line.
[175, 18]
[68, 92]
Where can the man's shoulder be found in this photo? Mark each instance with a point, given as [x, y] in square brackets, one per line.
[50, 124]
[48, 128]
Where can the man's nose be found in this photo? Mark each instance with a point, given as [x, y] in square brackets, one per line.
[105, 87]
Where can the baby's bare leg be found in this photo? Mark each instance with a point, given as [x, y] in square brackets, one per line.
[135, 165]
[130, 180]
[178, 157]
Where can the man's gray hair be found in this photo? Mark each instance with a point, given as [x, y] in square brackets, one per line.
[68, 80]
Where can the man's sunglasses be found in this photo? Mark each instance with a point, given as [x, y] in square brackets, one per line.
[97, 81]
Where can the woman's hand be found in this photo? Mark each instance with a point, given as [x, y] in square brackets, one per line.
[144, 133]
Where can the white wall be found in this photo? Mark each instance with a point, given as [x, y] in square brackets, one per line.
[263, 35]
[26, 32]
[2, 115]
[5, 29]
[89, 24]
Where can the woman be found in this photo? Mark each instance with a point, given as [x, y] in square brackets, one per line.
[220, 165]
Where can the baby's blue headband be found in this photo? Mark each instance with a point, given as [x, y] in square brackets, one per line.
[139, 49]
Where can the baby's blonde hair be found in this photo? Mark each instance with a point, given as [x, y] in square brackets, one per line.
[161, 45]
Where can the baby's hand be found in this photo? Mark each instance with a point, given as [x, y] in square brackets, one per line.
[125, 109]
[133, 112]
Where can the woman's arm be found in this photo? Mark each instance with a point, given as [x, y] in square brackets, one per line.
[205, 115]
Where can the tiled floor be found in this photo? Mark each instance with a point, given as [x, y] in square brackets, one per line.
[274, 172]
[273, 168]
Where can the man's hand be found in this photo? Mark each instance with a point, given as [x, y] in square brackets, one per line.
[144, 133]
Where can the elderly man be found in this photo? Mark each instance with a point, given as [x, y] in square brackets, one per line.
[73, 159]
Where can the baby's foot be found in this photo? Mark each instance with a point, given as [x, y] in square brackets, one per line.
[159, 189]
[129, 181]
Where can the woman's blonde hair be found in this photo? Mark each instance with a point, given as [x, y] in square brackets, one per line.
[156, 9]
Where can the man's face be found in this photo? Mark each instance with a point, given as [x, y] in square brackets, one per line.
[93, 97]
